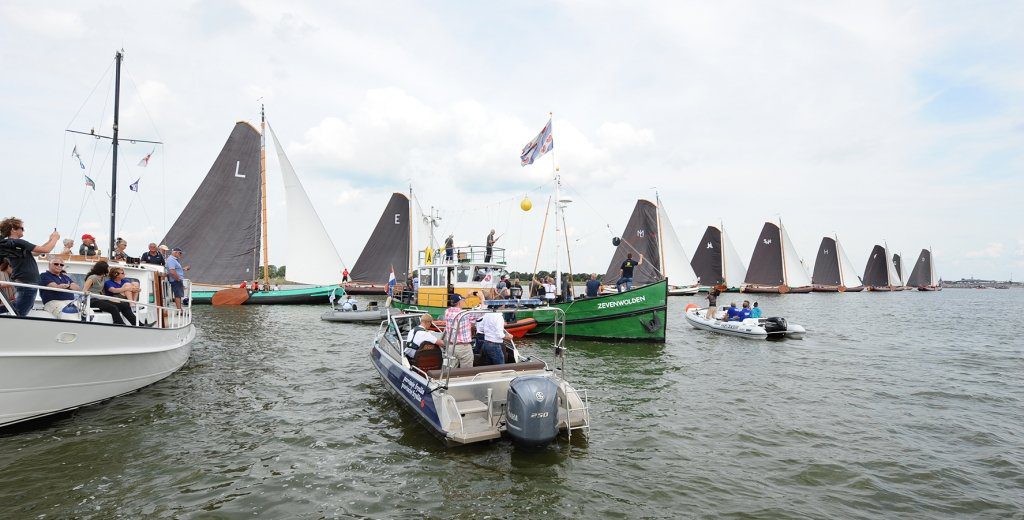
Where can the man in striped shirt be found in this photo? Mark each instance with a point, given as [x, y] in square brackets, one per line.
[463, 334]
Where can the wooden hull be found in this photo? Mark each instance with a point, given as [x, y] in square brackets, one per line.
[301, 296]
[365, 289]
[775, 289]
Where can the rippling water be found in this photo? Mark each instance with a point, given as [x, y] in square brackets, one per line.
[905, 404]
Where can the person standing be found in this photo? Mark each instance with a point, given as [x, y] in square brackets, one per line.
[153, 256]
[344, 276]
[626, 272]
[490, 246]
[593, 286]
[23, 264]
[53, 301]
[566, 288]
[88, 247]
[176, 275]
[492, 325]
[712, 303]
[449, 248]
[463, 332]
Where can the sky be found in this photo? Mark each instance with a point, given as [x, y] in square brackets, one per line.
[900, 122]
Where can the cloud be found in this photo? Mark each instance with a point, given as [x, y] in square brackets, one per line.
[45, 22]
[992, 250]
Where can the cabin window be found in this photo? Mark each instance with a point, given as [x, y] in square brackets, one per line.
[441, 278]
[426, 277]
[462, 274]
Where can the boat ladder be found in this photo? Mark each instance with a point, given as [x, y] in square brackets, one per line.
[583, 409]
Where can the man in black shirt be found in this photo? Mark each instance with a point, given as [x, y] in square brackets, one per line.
[152, 256]
[626, 272]
[25, 269]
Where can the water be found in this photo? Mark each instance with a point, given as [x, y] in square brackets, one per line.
[898, 405]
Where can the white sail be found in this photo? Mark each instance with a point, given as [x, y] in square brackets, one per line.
[735, 270]
[677, 266]
[311, 258]
[796, 272]
[931, 262]
[890, 268]
[846, 271]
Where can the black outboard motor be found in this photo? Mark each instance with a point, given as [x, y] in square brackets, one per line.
[532, 410]
[775, 325]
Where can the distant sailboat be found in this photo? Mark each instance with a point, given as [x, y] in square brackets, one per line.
[897, 264]
[923, 276]
[716, 262]
[650, 233]
[222, 227]
[387, 249]
[833, 271]
[775, 266]
[880, 272]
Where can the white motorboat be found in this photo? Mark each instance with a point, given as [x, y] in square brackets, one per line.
[525, 398]
[50, 365]
[375, 314]
[750, 328]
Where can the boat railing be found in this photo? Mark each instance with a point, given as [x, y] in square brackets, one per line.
[462, 255]
[167, 317]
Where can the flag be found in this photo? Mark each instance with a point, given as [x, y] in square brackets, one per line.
[145, 160]
[74, 153]
[391, 282]
[540, 145]
[135, 185]
[90, 183]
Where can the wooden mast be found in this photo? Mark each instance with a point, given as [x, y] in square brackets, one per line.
[263, 195]
[661, 236]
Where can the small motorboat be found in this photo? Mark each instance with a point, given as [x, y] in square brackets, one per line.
[750, 328]
[525, 399]
[373, 314]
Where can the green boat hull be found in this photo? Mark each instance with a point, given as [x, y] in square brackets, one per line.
[636, 315]
[300, 296]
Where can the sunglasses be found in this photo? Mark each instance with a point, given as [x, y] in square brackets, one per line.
[19, 228]
[59, 265]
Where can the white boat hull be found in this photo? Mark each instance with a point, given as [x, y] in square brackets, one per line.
[49, 366]
[750, 328]
[368, 316]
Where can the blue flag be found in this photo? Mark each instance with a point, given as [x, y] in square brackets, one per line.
[74, 153]
[539, 146]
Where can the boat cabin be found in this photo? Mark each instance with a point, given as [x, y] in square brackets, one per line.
[470, 272]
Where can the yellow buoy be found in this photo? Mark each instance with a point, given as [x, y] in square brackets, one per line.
[526, 204]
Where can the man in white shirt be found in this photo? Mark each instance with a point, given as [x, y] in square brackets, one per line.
[350, 304]
[420, 335]
[492, 326]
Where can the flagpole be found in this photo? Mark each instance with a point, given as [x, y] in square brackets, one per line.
[263, 196]
[558, 210]
[113, 171]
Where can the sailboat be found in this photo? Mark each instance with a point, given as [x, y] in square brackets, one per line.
[225, 223]
[716, 262]
[775, 266]
[833, 271]
[49, 366]
[386, 250]
[880, 272]
[650, 233]
[923, 276]
[897, 264]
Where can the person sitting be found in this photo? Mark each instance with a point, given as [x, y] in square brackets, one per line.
[94, 281]
[593, 286]
[88, 247]
[745, 311]
[121, 256]
[350, 304]
[421, 335]
[516, 289]
[53, 301]
[68, 244]
[117, 286]
[504, 290]
[755, 312]
[152, 255]
[733, 313]
[6, 290]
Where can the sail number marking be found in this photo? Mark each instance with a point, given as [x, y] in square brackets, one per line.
[621, 303]
[238, 164]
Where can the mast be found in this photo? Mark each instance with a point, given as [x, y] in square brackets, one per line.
[558, 217]
[263, 195]
[721, 251]
[412, 250]
[661, 236]
[839, 261]
[118, 57]
[782, 249]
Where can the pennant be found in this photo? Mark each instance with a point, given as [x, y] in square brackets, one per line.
[135, 185]
[391, 282]
[145, 160]
[539, 146]
[74, 153]
[90, 183]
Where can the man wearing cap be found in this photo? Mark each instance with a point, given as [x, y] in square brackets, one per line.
[153, 256]
[462, 335]
[176, 275]
[88, 247]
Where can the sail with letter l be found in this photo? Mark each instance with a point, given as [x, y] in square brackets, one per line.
[312, 257]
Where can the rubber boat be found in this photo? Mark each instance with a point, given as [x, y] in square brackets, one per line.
[372, 315]
[750, 328]
[525, 399]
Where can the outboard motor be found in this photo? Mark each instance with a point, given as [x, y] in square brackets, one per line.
[775, 325]
[532, 410]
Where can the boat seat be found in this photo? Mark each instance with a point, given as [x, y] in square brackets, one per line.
[428, 358]
[472, 371]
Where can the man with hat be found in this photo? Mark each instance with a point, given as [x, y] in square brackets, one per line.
[460, 333]
[88, 247]
[176, 275]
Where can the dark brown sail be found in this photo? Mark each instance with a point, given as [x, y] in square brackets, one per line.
[921, 275]
[219, 230]
[639, 237]
[898, 264]
[707, 258]
[826, 265]
[876, 273]
[765, 267]
[387, 247]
